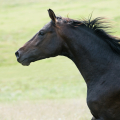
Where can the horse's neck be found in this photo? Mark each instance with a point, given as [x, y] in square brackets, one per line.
[91, 55]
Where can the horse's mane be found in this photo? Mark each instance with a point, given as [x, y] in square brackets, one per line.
[98, 26]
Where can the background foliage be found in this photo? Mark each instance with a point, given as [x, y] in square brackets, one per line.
[51, 78]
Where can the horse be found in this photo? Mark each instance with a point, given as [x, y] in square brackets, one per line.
[95, 53]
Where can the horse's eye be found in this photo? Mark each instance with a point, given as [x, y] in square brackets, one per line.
[41, 33]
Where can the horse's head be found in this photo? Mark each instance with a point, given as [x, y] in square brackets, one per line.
[46, 43]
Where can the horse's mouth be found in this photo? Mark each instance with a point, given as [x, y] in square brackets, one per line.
[25, 62]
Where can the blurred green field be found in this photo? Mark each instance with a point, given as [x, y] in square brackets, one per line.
[53, 78]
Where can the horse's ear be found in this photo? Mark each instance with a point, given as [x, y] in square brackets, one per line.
[52, 15]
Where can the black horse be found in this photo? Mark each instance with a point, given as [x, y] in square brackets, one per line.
[95, 53]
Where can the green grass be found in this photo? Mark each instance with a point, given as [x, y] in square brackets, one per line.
[55, 78]
[47, 79]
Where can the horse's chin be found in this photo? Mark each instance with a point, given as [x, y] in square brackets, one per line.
[26, 64]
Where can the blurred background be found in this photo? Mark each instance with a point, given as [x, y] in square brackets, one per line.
[50, 89]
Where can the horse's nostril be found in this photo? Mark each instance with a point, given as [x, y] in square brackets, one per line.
[17, 54]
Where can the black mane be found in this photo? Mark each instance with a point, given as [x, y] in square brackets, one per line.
[98, 26]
